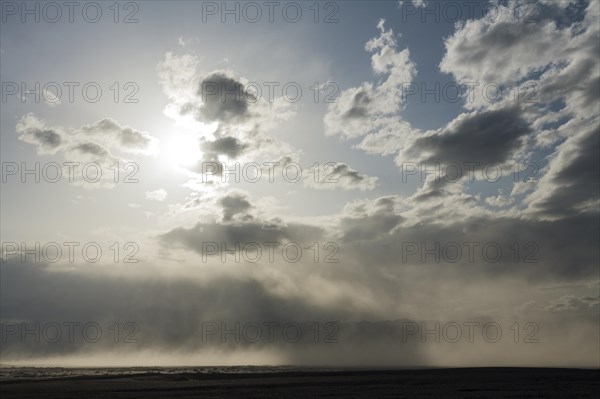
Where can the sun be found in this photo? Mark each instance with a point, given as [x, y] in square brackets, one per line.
[183, 150]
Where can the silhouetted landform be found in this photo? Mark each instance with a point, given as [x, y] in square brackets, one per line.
[265, 382]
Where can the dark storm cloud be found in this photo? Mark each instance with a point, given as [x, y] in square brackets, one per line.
[238, 226]
[365, 225]
[571, 183]
[563, 249]
[367, 228]
[484, 137]
[471, 141]
[230, 146]
[230, 235]
[234, 204]
[224, 99]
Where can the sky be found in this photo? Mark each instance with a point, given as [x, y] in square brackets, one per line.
[346, 183]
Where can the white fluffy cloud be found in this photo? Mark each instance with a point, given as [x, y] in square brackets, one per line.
[98, 139]
[361, 110]
[157, 195]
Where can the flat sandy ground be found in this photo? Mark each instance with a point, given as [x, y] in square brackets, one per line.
[446, 383]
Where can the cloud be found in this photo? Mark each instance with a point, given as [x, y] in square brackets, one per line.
[89, 151]
[373, 232]
[234, 120]
[338, 176]
[391, 137]
[223, 99]
[126, 139]
[483, 138]
[361, 110]
[554, 55]
[229, 146]
[499, 200]
[569, 185]
[571, 305]
[369, 220]
[34, 131]
[503, 48]
[104, 143]
[157, 195]
[216, 97]
[552, 49]
[238, 235]
[470, 143]
[178, 76]
[415, 3]
[234, 204]
[183, 41]
[241, 223]
[99, 139]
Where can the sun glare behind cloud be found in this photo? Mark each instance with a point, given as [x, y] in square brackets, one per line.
[182, 149]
